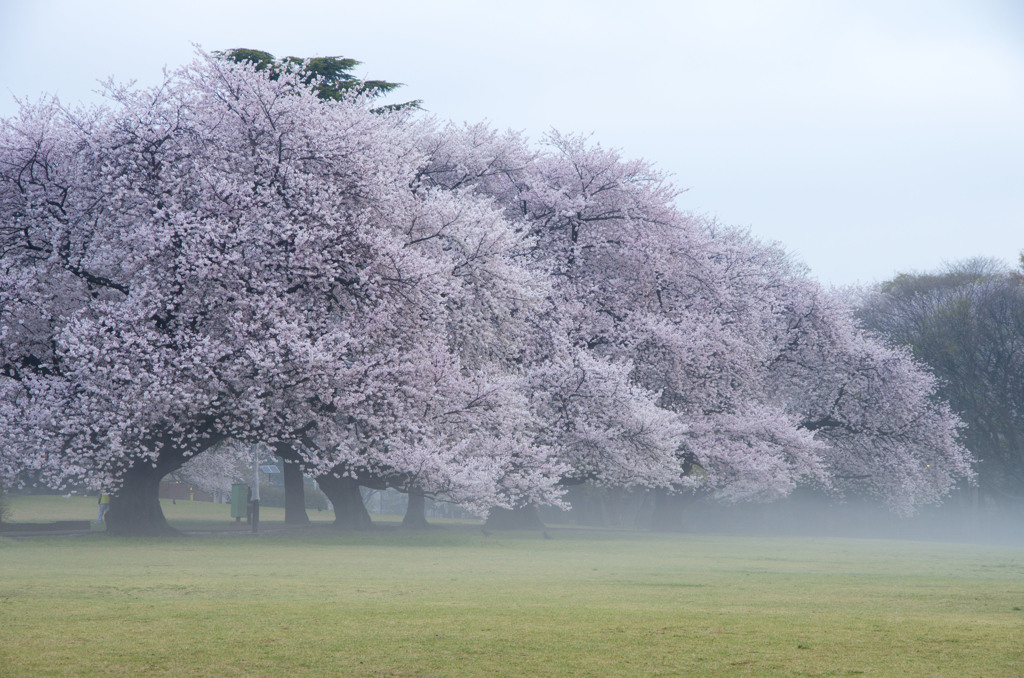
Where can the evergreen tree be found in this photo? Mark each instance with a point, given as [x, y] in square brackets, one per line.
[330, 76]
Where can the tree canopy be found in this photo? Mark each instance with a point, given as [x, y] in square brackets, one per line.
[330, 77]
[236, 255]
[967, 323]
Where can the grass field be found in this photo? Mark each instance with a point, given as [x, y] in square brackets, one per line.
[185, 515]
[454, 602]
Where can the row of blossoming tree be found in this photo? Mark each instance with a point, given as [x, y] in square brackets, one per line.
[447, 310]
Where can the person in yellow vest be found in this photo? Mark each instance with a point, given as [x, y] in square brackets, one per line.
[104, 506]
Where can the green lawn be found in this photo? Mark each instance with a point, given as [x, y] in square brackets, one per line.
[453, 602]
[186, 515]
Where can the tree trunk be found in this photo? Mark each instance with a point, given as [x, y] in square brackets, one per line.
[135, 506]
[520, 518]
[349, 511]
[416, 512]
[294, 486]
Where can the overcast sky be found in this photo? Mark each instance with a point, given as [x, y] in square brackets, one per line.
[868, 137]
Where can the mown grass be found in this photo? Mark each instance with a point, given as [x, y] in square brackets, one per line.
[454, 602]
[185, 515]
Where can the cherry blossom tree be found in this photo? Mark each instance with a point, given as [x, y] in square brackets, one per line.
[223, 256]
[771, 381]
[875, 409]
[447, 310]
[217, 469]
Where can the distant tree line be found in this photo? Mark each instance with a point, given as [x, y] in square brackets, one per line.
[966, 323]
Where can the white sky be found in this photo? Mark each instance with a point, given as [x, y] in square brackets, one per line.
[868, 137]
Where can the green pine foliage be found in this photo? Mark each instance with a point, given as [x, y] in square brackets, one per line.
[331, 76]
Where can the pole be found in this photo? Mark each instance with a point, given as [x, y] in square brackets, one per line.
[255, 488]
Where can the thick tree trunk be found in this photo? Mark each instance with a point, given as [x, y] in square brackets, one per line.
[294, 487]
[416, 512]
[521, 518]
[349, 511]
[135, 507]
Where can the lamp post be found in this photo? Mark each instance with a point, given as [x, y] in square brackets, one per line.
[255, 449]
